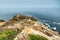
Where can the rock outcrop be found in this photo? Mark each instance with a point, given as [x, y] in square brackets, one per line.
[26, 25]
[2, 22]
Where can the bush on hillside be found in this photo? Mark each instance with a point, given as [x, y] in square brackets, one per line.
[7, 35]
[36, 37]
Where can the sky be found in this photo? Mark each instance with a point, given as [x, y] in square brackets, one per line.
[29, 3]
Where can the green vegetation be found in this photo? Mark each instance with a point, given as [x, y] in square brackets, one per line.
[36, 37]
[7, 35]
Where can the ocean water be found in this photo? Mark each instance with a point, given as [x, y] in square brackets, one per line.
[51, 16]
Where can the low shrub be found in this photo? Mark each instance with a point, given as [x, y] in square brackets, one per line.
[36, 37]
[7, 35]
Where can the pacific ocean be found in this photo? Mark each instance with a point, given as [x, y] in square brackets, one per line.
[50, 16]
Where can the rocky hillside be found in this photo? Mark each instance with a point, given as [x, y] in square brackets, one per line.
[2, 22]
[22, 27]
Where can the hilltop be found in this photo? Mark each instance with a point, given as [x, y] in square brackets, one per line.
[21, 26]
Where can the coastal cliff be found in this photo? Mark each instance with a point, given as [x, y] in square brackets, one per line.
[21, 26]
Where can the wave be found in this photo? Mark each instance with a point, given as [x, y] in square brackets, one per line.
[56, 23]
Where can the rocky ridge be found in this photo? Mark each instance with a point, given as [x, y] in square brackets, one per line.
[25, 25]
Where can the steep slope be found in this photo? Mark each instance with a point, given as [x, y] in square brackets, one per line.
[25, 25]
[38, 30]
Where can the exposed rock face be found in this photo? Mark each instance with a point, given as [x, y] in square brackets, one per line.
[26, 25]
[22, 17]
[1, 22]
[31, 29]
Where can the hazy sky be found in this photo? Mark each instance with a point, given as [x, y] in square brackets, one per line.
[29, 3]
